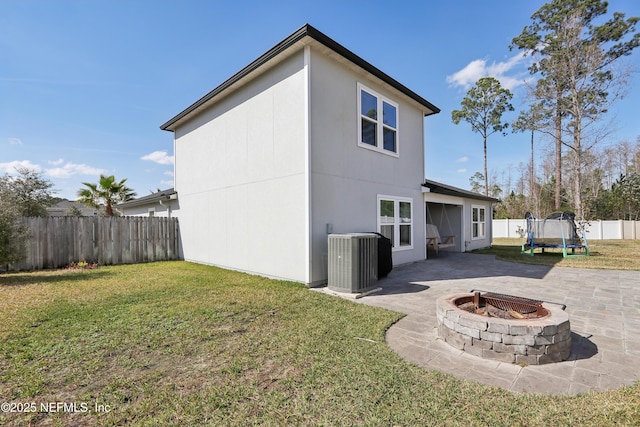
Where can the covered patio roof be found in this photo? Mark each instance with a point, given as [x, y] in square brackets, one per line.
[430, 186]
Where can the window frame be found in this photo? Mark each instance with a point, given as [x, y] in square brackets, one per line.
[379, 122]
[397, 221]
[482, 224]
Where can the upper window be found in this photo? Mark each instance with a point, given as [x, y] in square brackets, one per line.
[378, 124]
[395, 221]
[478, 222]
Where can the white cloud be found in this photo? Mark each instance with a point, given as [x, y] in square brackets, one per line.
[169, 173]
[167, 183]
[160, 157]
[15, 141]
[479, 68]
[69, 169]
[501, 68]
[56, 162]
[11, 167]
[469, 74]
[462, 159]
[461, 170]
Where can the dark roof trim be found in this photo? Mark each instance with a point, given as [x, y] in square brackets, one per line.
[439, 188]
[149, 199]
[346, 53]
[304, 31]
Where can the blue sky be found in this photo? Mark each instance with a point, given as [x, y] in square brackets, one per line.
[85, 85]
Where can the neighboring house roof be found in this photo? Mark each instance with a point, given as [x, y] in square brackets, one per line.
[169, 194]
[62, 208]
[298, 38]
[439, 188]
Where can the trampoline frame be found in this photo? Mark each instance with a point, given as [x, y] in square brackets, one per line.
[568, 242]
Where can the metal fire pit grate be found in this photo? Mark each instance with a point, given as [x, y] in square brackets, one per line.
[510, 302]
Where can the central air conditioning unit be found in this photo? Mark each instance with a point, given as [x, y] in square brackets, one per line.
[353, 262]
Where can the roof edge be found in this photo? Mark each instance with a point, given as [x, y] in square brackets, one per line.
[263, 59]
[149, 198]
[440, 188]
[305, 31]
[346, 53]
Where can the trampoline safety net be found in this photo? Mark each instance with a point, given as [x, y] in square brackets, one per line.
[551, 231]
[558, 230]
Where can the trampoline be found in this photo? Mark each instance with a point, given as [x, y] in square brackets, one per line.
[557, 231]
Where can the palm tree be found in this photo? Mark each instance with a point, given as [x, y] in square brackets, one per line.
[106, 192]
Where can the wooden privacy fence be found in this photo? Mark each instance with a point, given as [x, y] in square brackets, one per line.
[55, 242]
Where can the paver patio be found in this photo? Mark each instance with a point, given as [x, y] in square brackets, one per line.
[603, 308]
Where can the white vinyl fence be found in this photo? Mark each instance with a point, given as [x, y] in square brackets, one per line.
[596, 230]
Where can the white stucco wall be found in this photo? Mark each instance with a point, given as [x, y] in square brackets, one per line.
[346, 179]
[240, 176]
[477, 243]
[262, 174]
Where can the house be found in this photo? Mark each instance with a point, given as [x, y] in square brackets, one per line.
[460, 213]
[307, 140]
[159, 204]
[66, 207]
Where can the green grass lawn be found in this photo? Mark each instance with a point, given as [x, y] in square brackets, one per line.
[605, 254]
[182, 344]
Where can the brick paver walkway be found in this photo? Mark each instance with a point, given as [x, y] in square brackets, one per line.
[603, 308]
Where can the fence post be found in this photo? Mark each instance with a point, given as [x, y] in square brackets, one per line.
[601, 230]
[621, 229]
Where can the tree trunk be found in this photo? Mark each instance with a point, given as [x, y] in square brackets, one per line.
[558, 124]
[577, 183]
[531, 172]
[486, 175]
[577, 167]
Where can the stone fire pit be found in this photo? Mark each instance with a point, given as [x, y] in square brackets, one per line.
[532, 339]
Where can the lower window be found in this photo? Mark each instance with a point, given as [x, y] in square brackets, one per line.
[478, 222]
[395, 221]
